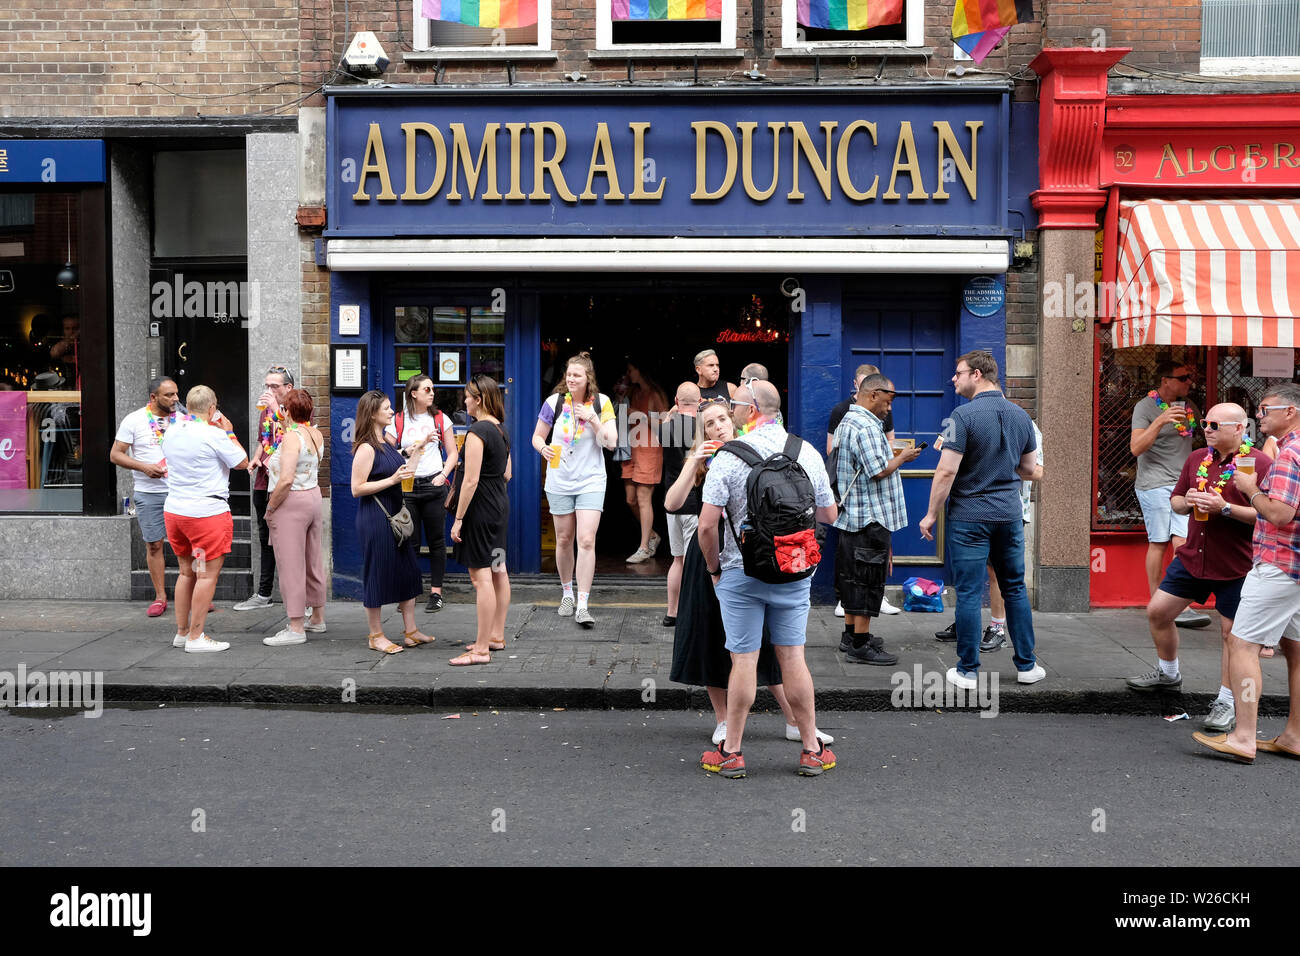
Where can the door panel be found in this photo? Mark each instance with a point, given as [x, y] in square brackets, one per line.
[914, 344]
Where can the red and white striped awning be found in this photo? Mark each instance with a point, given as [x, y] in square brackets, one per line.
[1208, 272]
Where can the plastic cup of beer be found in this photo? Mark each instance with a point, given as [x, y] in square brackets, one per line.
[1181, 408]
[1200, 514]
[408, 484]
[1246, 464]
[558, 449]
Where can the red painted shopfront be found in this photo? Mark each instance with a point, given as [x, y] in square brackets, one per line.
[1199, 263]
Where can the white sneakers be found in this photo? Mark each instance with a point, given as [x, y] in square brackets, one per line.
[285, 638]
[204, 645]
[720, 734]
[1031, 676]
[639, 555]
[958, 679]
[178, 640]
[792, 733]
[253, 603]
[313, 628]
[887, 608]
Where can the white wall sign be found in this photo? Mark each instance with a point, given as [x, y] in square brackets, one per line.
[449, 366]
[349, 320]
[348, 371]
[1273, 363]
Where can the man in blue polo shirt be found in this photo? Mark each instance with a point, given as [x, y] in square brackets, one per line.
[989, 448]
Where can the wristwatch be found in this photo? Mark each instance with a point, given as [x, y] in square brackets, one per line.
[713, 574]
[1226, 511]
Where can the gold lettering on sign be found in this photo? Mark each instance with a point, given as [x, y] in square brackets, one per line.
[911, 166]
[1254, 151]
[487, 153]
[516, 131]
[966, 169]
[1214, 158]
[1279, 159]
[1191, 163]
[1167, 155]
[602, 162]
[378, 165]
[411, 131]
[702, 129]
[842, 161]
[543, 167]
[638, 158]
[803, 144]
[747, 159]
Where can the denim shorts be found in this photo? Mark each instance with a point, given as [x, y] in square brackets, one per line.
[149, 512]
[747, 602]
[568, 504]
[1158, 514]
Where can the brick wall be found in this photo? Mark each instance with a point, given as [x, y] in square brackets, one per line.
[1164, 35]
[1022, 328]
[315, 343]
[148, 57]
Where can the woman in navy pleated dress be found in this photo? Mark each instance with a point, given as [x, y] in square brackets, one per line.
[389, 575]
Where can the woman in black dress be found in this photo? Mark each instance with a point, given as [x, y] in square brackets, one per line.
[482, 512]
[700, 656]
[390, 575]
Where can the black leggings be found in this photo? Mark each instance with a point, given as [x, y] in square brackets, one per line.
[428, 507]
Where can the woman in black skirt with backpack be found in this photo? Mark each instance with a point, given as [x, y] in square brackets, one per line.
[482, 513]
[390, 574]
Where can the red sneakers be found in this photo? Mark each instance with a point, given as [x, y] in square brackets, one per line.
[814, 764]
[724, 764]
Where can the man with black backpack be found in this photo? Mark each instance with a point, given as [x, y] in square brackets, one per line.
[774, 490]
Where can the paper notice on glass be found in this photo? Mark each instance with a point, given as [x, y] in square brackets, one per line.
[449, 366]
[347, 372]
[1273, 363]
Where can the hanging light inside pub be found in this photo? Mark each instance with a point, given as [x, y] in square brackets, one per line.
[68, 277]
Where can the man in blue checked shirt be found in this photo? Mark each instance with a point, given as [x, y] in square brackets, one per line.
[872, 508]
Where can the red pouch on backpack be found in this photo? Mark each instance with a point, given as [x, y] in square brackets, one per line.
[797, 552]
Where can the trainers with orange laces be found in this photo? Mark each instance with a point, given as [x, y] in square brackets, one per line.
[722, 763]
[813, 764]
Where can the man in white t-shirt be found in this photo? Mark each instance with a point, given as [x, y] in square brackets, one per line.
[138, 447]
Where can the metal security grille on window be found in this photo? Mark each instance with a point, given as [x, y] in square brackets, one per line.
[1250, 28]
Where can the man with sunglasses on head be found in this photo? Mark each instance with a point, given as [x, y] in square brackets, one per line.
[1215, 557]
[1270, 596]
[710, 381]
[278, 383]
[1161, 441]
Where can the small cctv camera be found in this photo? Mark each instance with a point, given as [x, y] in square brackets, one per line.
[365, 57]
[790, 287]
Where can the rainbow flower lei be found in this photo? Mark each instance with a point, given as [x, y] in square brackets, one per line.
[270, 433]
[1203, 469]
[1185, 428]
[158, 425]
[578, 425]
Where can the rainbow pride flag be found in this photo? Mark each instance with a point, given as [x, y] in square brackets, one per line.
[667, 9]
[849, 14]
[482, 13]
[979, 25]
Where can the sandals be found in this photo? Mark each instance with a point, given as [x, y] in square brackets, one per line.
[492, 645]
[412, 642]
[390, 649]
[471, 657]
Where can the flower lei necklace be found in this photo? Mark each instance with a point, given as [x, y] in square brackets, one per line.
[159, 425]
[1184, 428]
[269, 439]
[571, 430]
[1203, 469]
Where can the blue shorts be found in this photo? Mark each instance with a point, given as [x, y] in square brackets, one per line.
[1158, 515]
[568, 504]
[149, 512]
[1180, 583]
[746, 602]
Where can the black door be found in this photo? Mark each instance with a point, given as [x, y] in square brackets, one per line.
[204, 314]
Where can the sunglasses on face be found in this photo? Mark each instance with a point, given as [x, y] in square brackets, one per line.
[1180, 378]
[1215, 426]
[734, 403]
[1265, 409]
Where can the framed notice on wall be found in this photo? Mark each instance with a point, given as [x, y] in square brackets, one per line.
[348, 369]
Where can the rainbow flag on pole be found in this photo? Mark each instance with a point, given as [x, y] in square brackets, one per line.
[979, 25]
[482, 13]
[667, 9]
[849, 14]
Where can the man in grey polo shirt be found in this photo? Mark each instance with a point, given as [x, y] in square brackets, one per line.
[1161, 441]
[989, 448]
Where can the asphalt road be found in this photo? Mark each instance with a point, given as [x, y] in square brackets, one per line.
[251, 786]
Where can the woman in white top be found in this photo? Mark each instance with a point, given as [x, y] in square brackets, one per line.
[293, 515]
[580, 423]
[197, 512]
[425, 431]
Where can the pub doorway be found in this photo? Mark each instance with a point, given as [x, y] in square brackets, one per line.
[659, 328]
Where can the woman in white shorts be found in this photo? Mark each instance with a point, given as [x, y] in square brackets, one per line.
[575, 423]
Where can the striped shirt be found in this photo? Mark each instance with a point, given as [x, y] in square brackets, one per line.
[1280, 547]
[863, 451]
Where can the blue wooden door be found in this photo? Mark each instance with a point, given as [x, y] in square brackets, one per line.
[912, 341]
